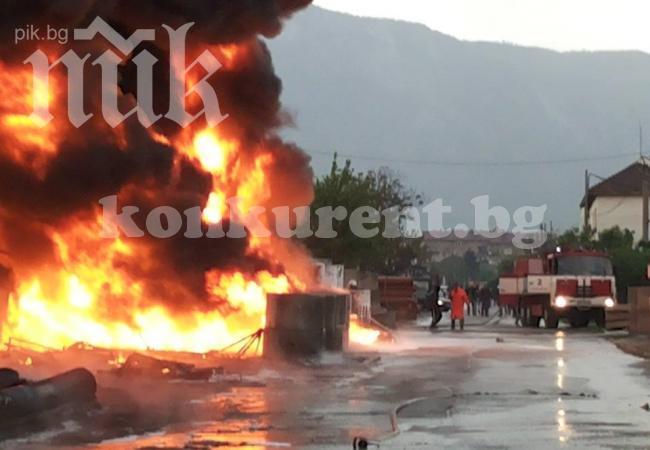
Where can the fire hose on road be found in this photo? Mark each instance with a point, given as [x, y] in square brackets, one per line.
[360, 443]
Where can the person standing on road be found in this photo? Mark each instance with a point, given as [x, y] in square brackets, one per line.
[472, 293]
[485, 300]
[458, 300]
[432, 298]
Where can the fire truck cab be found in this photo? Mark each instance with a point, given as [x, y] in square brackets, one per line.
[575, 285]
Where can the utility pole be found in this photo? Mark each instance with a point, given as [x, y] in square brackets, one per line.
[645, 199]
[640, 140]
[645, 188]
[587, 207]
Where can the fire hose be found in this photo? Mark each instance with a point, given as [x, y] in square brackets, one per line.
[361, 443]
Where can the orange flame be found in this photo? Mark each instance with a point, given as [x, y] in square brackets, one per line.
[71, 310]
[361, 334]
[25, 135]
[88, 294]
[74, 301]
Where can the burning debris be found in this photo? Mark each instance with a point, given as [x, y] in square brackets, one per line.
[147, 366]
[141, 309]
[68, 283]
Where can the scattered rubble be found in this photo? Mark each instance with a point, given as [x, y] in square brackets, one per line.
[139, 365]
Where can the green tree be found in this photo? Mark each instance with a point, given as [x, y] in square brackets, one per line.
[487, 273]
[575, 238]
[506, 265]
[472, 265]
[465, 269]
[453, 269]
[615, 239]
[381, 190]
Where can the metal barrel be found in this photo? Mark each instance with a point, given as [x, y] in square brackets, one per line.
[306, 324]
[76, 386]
[336, 318]
[294, 326]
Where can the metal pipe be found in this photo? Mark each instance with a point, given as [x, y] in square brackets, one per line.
[76, 386]
[8, 378]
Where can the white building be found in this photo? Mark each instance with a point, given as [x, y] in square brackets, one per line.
[618, 200]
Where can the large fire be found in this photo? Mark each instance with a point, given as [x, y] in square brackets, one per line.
[22, 130]
[74, 302]
[96, 290]
[361, 333]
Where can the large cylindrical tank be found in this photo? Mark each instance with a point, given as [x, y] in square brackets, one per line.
[299, 325]
[76, 386]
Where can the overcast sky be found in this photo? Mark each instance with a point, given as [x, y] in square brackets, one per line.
[557, 24]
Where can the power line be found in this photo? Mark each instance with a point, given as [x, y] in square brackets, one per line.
[477, 163]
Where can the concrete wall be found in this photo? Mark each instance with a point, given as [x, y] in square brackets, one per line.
[639, 301]
[624, 212]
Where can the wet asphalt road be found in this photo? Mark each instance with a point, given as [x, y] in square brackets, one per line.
[535, 390]
[492, 386]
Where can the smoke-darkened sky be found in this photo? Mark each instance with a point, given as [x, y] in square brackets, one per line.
[555, 24]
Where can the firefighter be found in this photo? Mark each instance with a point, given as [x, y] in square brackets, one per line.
[485, 300]
[458, 300]
[473, 304]
[432, 299]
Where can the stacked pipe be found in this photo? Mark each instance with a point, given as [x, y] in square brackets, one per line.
[19, 398]
[398, 294]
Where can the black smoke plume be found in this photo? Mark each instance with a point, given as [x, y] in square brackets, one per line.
[92, 161]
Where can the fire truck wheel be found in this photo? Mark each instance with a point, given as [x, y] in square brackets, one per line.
[578, 320]
[550, 319]
[600, 318]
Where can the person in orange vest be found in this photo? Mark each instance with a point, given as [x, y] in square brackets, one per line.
[458, 300]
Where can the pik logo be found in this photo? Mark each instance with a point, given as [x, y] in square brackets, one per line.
[109, 62]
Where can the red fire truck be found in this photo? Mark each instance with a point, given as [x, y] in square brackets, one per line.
[575, 285]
